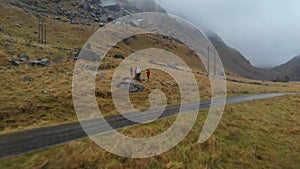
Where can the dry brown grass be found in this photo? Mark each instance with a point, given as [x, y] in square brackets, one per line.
[24, 107]
[262, 137]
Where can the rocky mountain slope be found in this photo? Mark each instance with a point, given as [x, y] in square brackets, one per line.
[290, 70]
[78, 11]
[234, 61]
[91, 12]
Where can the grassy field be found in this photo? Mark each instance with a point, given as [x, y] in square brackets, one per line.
[23, 106]
[257, 134]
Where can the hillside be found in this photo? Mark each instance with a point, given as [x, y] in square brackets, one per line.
[290, 69]
[46, 98]
[35, 96]
[78, 11]
[234, 61]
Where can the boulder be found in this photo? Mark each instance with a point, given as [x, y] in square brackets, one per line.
[127, 41]
[45, 92]
[14, 62]
[23, 57]
[27, 79]
[18, 25]
[101, 24]
[131, 85]
[40, 62]
[119, 56]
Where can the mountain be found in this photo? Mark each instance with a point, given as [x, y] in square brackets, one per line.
[78, 11]
[289, 70]
[88, 12]
[147, 6]
[234, 61]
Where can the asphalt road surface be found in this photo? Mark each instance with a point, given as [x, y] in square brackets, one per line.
[17, 143]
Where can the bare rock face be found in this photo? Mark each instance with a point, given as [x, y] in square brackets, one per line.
[101, 11]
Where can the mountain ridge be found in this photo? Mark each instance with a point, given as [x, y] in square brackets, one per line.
[77, 12]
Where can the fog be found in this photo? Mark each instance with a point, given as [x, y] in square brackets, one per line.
[267, 32]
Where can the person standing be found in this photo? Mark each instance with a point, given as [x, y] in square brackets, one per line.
[138, 72]
[131, 72]
[148, 73]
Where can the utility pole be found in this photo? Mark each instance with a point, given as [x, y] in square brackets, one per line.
[215, 64]
[45, 38]
[39, 31]
[42, 32]
[208, 60]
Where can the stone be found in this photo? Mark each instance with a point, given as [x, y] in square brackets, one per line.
[127, 41]
[105, 67]
[27, 79]
[119, 56]
[18, 25]
[23, 57]
[101, 24]
[14, 62]
[100, 74]
[45, 92]
[74, 22]
[41, 62]
[131, 85]
[8, 45]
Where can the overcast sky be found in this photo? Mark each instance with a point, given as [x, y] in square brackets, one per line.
[267, 32]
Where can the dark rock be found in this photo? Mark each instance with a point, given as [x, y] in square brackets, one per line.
[105, 67]
[127, 41]
[23, 57]
[27, 79]
[281, 79]
[119, 56]
[110, 19]
[8, 45]
[89, 55]
[14, 62]
[101, 24]
[57, 18]
[41, 62]
[74, 22]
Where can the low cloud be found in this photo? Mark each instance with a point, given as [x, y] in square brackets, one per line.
[267, 32]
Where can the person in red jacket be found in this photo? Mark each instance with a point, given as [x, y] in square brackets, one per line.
[148, 73]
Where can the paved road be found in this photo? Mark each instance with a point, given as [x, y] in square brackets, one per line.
[36, 139]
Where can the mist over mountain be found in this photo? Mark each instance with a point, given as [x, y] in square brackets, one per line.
[105, 11]
[234, 61]
[147, 5]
